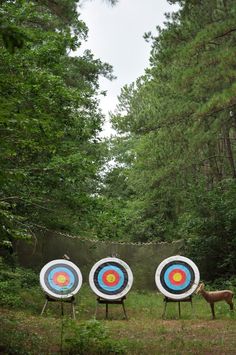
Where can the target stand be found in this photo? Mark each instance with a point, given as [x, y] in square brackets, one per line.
[111, 279]
[60, 280]
[62, 301]
[167, 300]
[107, 302]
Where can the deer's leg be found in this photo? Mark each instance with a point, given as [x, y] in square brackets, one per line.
[212, 310]
[230, 303]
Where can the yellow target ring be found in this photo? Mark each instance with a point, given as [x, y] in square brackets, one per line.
[177, 277]
[61, 279]
[111, 278]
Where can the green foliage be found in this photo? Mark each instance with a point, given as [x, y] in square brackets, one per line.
[10, 295]
[49, 122]
[222, 283]
[90, 338]
[12, 38]
[15, 340]
[173, 173]
[10, 286]
[24, 331]
[209, 230]
[13, 285]
[29, 279]
[145, 332]
[176, 147]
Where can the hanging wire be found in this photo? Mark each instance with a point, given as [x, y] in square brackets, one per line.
[112, 243]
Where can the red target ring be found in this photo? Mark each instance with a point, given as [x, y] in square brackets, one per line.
[177, 277]
[61, 278]
[111, 278]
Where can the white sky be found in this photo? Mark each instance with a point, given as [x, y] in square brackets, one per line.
[116, 37]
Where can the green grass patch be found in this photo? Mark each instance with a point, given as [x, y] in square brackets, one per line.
[26, 332]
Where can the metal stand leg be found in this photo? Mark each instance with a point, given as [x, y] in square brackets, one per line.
[123, 305]
[179, 309]
[73, 309]
[44, 307]
[192, 308]
[164, 311]
[62, 309]
[96, 309]
[106, 310]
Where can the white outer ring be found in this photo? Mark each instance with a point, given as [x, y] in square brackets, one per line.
[51, 293]
[104, 295]
[184, 294]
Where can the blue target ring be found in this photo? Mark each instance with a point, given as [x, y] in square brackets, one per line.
[57, 287]
[182, 286]
[108, 287]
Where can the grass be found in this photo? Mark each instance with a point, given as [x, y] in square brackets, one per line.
[26, 332]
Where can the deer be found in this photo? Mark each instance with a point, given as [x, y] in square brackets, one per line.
[215, 296]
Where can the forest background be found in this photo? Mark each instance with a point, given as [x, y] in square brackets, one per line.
[173, 173]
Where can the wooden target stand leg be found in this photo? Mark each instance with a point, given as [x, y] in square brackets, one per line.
[167, 300]
[70, 300]
[107, 302]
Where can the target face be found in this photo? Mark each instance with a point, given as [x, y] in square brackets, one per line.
[60, 278]
[177, 277]
[110, 278]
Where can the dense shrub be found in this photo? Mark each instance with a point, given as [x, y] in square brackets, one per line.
[90, 338]
[14, 284]
[15, 340]
[210, 230]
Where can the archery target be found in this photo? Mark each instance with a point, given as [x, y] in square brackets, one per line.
[111, 278]
[60, 278]
[177, 277]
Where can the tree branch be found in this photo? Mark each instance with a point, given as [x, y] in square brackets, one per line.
[226, 33]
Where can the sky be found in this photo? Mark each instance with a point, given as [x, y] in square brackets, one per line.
[116, 37]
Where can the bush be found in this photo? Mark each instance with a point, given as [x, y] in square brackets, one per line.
[13, 284]
[29, 278]
[90, 338]
[222, 283]
[15, 340]
[210, 231]
[10, 294]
